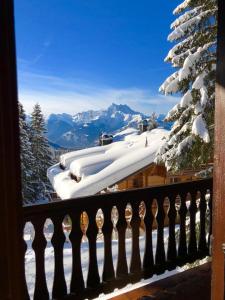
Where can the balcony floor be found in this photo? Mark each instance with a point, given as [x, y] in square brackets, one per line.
[192, 284]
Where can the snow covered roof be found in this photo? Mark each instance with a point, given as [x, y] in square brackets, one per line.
[100, 167]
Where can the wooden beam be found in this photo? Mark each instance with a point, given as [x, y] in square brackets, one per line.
[11, 259]
[217, 292]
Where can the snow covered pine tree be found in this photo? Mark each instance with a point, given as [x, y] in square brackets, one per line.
[152, 121]
[41, 151]
[27, 160]
[190, 142]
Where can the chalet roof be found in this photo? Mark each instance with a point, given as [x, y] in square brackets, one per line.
[99, 167]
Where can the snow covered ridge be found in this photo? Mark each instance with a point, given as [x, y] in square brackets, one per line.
[83, 129]
[97, 168]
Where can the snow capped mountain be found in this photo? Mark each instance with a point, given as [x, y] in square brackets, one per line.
[83, 129]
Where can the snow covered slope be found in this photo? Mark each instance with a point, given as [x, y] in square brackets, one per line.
[100, 167]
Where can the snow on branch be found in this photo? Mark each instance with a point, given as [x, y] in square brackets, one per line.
[189, 65]
[204, 96]
[172, 112]
[181, 7]
[199, 81]
[179, 52]
[168, 83]
[191, 61]
[172, 53]
[184, 145]
[178, 60]
[205, 173]
[186, 16]
[171, 85]
[186, 99]
[188, 26]
[176, 138]
[199, 129]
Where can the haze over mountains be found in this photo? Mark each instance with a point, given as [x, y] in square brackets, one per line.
[83, 129]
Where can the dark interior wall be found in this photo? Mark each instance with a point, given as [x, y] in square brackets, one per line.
[11, 260]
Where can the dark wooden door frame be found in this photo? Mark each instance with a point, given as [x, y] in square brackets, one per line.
[219, 164]
[11, 259]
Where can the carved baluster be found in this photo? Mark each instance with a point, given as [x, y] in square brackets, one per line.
[182, 248]
[135, 266]
[172, 251]
[160, 259]
[210, 219]
[202, 245]
[39, 245]
[25, 290]
[122, 269]
[77, 281]
[59, 289]
[148, 255]
[192, 245]
[93, 279]
[108, 269]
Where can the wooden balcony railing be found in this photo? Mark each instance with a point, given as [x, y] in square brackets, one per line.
[182, 210]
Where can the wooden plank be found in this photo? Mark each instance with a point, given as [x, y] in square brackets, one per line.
[11, 253]
[192, 284]
[219, 163]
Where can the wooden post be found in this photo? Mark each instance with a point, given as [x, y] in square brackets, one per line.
[217, 291]
[11, 259]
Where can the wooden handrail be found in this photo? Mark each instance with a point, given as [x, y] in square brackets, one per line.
[183, 200]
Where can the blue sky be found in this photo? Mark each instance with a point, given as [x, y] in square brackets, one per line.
[75, 55]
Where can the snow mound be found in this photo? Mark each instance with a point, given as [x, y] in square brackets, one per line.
[122, 134]
[100, 167]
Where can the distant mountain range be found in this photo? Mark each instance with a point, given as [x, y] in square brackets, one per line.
[83, 129]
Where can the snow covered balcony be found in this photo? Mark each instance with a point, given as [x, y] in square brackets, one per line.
[98, 258]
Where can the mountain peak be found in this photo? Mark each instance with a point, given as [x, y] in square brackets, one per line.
[122, 108]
